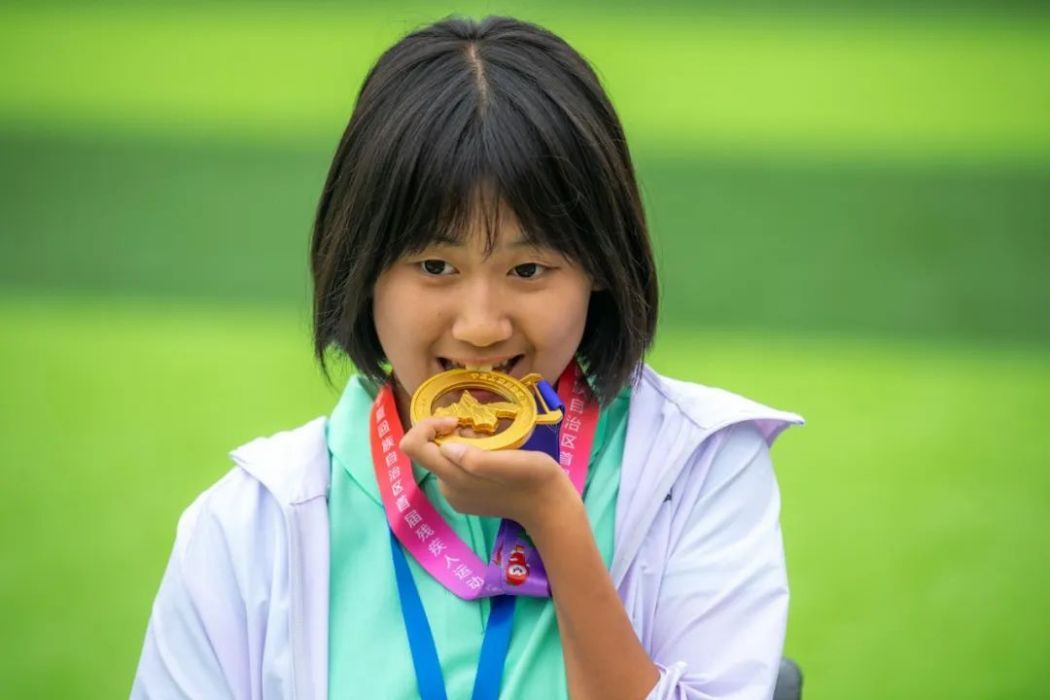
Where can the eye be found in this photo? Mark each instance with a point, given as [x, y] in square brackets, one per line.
[529, 270]
[435, 267]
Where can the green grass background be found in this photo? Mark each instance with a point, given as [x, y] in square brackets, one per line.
[849, 205]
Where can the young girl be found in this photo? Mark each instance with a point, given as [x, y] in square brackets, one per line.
[481, 211]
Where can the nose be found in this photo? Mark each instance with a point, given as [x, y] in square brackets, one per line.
[481, 319]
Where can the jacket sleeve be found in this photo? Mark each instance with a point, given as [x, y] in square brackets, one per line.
[195, 644]
[721, 614]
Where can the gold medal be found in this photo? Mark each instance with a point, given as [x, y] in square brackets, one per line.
[518, 406]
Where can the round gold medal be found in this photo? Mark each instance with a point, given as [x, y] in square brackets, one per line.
[518, 405]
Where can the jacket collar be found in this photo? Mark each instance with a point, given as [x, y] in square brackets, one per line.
[292, 465]
[668, 424]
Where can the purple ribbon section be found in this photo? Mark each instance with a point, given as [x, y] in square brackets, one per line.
[516, 567]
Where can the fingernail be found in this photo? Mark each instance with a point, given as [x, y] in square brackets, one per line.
[453, 450]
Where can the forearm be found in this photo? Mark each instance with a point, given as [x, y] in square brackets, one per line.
[603, 657]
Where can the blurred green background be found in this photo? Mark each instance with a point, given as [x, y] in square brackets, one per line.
[851, 208]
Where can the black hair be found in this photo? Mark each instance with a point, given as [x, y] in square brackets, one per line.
[504, 109]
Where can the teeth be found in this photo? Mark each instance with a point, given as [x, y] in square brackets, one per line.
[502, 367]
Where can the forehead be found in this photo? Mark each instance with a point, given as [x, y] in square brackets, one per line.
[485, 226]
[484, 218]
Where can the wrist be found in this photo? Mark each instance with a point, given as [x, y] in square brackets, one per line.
[559, 509]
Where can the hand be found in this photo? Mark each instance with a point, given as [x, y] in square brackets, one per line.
[523, 485]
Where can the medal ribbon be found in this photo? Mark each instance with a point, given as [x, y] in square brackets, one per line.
[515, 567]
[573, 444]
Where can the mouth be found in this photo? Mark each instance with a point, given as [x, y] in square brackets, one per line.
[504, 366]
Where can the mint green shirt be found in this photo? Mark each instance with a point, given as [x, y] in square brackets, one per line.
[368, 654]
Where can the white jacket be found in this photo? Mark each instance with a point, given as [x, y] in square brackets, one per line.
[242, 610]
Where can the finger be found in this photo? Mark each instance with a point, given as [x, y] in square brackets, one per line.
[431, 459]
[418, 444]
[425, 431]
[496, 465]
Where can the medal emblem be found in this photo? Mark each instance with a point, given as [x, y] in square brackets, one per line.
[521, 402]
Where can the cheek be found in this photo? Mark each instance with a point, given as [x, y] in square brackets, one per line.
[557, 322]
[407, 318]
[575, 299]
[566, 324]
[394, 316]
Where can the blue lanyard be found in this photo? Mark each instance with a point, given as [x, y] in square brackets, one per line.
[429, 679]
[494, 645]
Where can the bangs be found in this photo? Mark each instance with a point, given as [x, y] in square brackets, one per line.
[479, 155]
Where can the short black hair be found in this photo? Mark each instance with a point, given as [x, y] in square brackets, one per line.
[498, 107]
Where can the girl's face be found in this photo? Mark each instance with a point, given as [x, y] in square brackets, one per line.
[520, 309]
